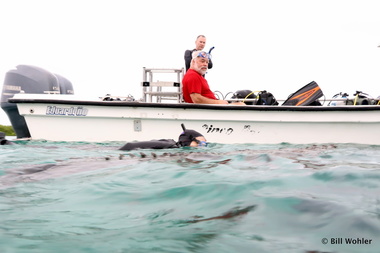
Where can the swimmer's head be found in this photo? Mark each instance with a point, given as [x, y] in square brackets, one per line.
[191, 138]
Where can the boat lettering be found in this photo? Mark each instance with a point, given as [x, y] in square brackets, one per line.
[212, 129]
[228, 131]
[12, 87]
[66, 111]
[247, 128]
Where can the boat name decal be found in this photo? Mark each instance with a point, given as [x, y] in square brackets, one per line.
[228, 131]
[212, 129]
[12, 87]
[66, 111]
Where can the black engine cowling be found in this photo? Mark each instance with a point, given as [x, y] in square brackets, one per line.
[33, 80]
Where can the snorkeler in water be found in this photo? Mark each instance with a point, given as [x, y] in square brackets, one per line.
[188, 138]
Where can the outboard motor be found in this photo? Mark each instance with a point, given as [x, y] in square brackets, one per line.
[34, 80]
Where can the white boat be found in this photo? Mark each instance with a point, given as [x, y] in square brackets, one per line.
[64, 117]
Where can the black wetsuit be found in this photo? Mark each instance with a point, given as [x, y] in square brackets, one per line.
[153, 144]
[184, 140]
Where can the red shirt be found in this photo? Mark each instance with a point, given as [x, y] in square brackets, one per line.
[193, 82]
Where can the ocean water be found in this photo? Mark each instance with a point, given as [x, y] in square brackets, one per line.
[92, 197]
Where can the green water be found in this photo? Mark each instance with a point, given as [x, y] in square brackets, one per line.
[91, 197]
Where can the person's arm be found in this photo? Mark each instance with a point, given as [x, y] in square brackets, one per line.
[188, 58]
[199, 99]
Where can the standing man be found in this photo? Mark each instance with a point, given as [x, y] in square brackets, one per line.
[200, 44]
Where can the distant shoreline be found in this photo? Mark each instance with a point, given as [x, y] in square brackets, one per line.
[8, 130]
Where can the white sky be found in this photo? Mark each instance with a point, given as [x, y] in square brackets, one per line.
[101, 46]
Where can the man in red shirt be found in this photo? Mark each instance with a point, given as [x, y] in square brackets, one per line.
[195, 87]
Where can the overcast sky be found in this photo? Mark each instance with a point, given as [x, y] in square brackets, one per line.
[101, 46]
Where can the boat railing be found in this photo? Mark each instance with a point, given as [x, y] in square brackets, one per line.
[162, 90]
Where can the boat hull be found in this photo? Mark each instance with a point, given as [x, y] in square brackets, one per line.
[58, 118]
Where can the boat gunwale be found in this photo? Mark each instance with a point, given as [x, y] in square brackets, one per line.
[195, 106]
